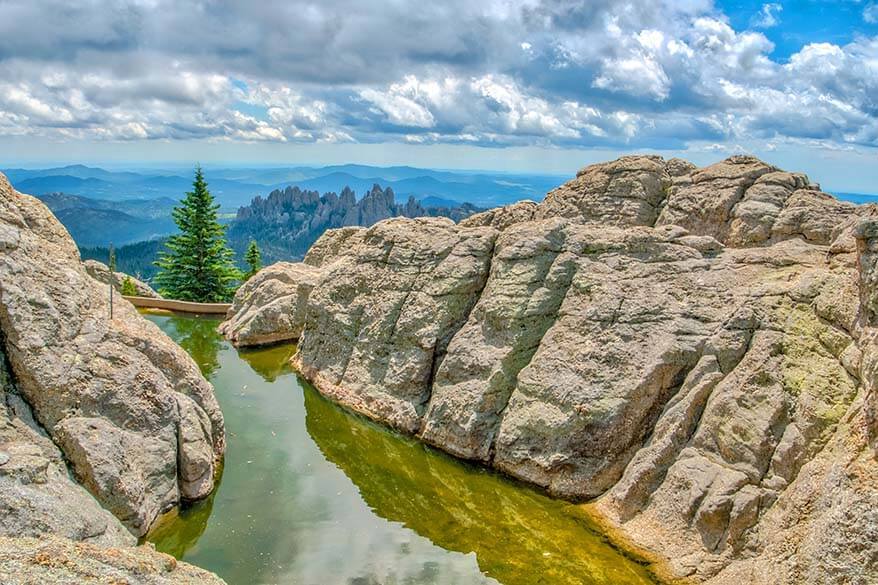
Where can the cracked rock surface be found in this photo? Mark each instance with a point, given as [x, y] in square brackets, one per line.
[104, 424]
[25, 561]
[691, 349]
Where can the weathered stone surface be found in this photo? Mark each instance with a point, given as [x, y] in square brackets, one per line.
[271, 306]
[627, 191]
[128, 408]
[695, 348]
[332, 244]
[37, 495]
[101, 272]
[58, 561]
[502, 217]
[383, 315]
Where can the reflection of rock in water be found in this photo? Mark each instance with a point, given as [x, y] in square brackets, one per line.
[269, 362]
[179, 529]
[519, 536]
[199, 337]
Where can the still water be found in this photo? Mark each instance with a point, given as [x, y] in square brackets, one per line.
[313, 495]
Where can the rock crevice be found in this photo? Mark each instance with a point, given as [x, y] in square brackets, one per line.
[127, 409]
[692, 348]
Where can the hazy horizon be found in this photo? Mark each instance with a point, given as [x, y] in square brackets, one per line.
[526, 86]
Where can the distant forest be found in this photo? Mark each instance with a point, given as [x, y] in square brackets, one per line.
[135, 259]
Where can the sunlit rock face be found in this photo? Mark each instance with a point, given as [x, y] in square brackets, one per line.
[128, 409]
[692, 348]
[271, 306]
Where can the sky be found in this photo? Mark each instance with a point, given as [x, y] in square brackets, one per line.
[517, 85]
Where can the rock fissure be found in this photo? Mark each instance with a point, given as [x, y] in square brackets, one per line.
[101, 389]
[685, 345]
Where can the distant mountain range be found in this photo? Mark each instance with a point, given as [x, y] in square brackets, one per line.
[238, 186]
[95, 222]
[288, 221]
[285, 223]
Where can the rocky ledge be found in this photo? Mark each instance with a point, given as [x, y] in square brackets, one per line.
[28, 561]
[104, 423]
[692, 350]
[102, 273]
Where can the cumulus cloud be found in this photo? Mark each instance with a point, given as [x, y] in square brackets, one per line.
[870, 13]
[500, 72]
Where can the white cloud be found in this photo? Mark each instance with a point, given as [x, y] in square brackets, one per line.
[768, 16]
[870, 13]
[558, 72]
[638, 74]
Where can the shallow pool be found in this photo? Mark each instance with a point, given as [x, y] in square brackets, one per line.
[311, 494]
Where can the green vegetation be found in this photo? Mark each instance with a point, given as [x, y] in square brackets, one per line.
[128, 288]
[137, 259]
[197, 264]
[253, 257]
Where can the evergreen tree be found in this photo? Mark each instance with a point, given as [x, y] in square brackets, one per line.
[253, 257]
[128, 288]
[197, 264]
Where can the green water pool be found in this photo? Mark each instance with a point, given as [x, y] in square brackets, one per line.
[313, 495]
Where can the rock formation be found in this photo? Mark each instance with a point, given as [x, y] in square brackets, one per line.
[271, 306]
[37, 495]
[104, 424]
[101, 272]
[289, 221]
[691, 349]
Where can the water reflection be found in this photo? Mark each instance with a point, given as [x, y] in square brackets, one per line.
[179, 530]
[196, 334]
[313, 495]
[519, 536]
[269, 362]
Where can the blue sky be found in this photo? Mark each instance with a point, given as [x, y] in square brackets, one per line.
[523, 85]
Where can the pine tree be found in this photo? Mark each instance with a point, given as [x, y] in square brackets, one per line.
[253, 257]
[128, 288]
[197, 264]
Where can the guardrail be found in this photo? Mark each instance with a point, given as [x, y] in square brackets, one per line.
[181, 306]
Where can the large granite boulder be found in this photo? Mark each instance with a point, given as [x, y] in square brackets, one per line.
[271, 306]
[692, 349]
[380, 321]
[136, 422]
[102, 273]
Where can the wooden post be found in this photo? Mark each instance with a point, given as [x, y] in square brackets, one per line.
[110, 263]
